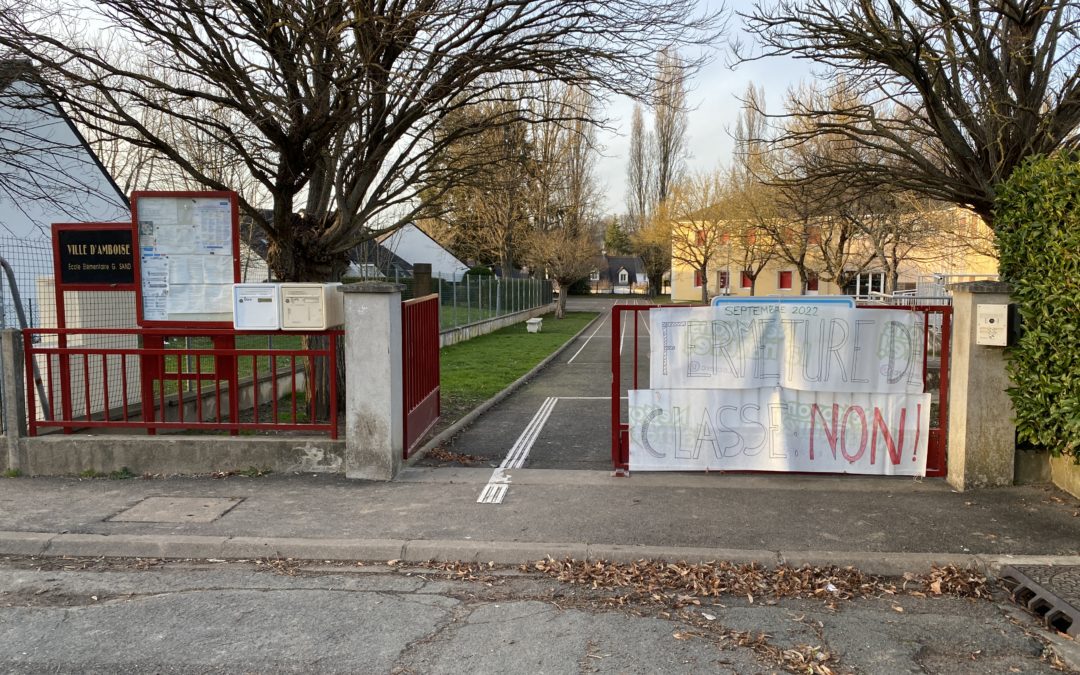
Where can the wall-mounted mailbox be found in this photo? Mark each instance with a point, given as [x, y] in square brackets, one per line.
[991, 325]
[311, 306]
[255, 307]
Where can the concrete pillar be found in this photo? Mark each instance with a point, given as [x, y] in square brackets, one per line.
[374, 426]
[421, 279]
[982, 432]
[14, 401]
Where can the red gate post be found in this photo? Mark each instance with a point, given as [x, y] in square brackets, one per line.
[225, 369]
[151, 369]
[420, 353]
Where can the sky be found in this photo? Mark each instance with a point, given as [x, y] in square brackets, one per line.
[713, 99]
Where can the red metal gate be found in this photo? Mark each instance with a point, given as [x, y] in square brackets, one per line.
[937, 335]
[420, 363]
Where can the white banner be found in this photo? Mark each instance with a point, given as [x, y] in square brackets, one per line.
[806, 347]
[778, 430]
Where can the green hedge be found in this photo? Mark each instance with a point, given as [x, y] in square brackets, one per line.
[1037, 220]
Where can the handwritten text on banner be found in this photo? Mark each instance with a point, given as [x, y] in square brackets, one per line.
[805, 347]
[775, 429]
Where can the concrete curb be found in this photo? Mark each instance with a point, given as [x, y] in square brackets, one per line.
[883, 563]
[470, 417]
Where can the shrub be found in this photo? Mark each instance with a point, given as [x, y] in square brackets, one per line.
[1037, 220]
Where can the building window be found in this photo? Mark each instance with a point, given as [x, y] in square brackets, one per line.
[697, 279]
[784, 280]
[624, 277]
[811, 281]
[747, 280]
[722, 280]
[594, 275]
[865, 284]
[700, 237]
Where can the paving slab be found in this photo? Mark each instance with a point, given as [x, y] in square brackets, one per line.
[177, 510]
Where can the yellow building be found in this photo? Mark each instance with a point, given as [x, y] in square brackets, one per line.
[961, 249]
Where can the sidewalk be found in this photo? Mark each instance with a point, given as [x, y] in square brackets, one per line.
[884, 526]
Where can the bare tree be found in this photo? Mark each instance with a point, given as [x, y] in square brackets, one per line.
[894, 228]
[487, 211]
[700, 227]
[566, 257]
[339, 100]
[565, 197]
[639, 175]
[669, 123]
[751, 202]
[816, 228]
[956, 95]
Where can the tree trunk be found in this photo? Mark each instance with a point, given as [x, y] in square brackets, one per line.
[560, 306]
[656, 283]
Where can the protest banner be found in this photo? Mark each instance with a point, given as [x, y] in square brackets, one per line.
[812, 387]
[778, 430]
[806, 347]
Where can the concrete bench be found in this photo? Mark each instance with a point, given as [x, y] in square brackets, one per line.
[535, 325]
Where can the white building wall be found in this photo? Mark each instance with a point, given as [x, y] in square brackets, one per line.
[413, 246]
[46, 176]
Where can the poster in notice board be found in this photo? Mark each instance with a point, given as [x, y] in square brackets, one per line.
[187, 244]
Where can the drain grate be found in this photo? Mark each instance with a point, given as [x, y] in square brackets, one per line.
[1049, 591]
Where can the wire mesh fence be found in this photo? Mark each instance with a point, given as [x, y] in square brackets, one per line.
[31, 261]
[478, 298]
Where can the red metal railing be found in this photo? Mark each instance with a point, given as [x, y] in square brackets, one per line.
[620, 431]
[937, 343]
[420, 362]
[204, 380]
[937, 335]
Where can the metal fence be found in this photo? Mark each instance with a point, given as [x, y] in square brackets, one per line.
[228, 381]
[31, 262]
[476, 298]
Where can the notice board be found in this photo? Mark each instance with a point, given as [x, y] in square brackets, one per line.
[188, 257]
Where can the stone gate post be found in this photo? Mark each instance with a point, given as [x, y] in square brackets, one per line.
[982, 432]
[374, 422]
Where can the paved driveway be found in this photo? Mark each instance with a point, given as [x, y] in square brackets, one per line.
[562, 418]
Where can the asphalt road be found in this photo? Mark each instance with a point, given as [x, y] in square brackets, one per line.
[77, 616]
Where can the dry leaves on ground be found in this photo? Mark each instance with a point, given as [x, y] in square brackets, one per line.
[680, 583]
[950, 580]
[441, 455]
[461, 571]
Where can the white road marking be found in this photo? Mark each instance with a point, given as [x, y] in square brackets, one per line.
[495, 490]
[589, 338]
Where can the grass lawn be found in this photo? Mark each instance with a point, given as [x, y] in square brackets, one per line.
[475, 370]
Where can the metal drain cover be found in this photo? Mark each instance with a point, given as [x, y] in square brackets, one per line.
[177, 510]
[1050, 591]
